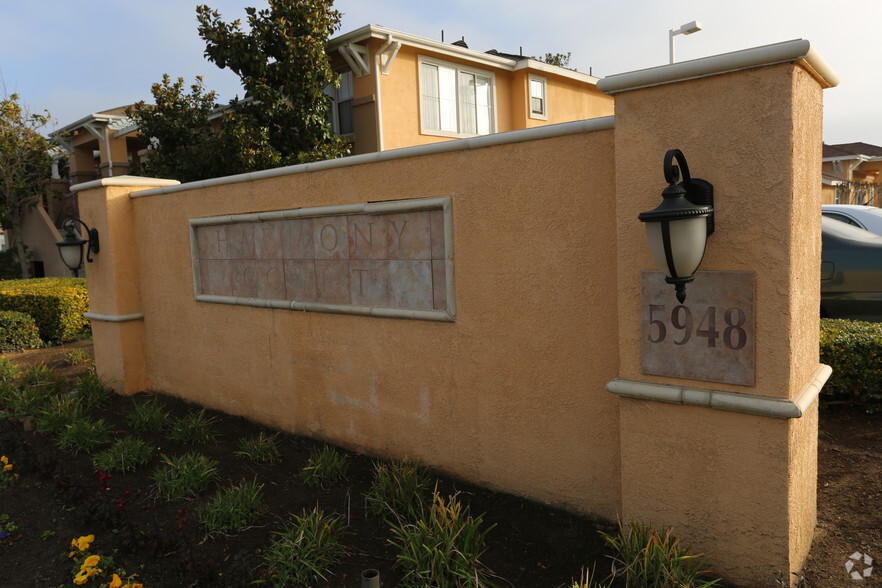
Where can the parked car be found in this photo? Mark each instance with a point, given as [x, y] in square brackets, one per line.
[851, 272]
[865, 217]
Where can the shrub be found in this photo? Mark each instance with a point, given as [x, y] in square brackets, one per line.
[61, 412]
[78, 357]
[304, 551]
[325, 468]
[18, 331]
[232, 509]
[260, 449]
[92, 390]
[193, 428]
[186, 476]
[443, 547]
[85, 434]
[57, 305]
[398, 489]
[8, 370]
[125, 455]
[147, 415]
[854, 350]
[646, 557]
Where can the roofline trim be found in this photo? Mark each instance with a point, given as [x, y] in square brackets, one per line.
[95, 117]
[371, 31]
[797, 50]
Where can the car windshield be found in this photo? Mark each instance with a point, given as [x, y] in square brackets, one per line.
[846, 231]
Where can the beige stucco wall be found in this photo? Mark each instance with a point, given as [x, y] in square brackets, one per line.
[548, 253]
[492, 397]
[730, 482]
[40, 236]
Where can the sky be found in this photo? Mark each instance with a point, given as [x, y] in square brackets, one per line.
[76, 58]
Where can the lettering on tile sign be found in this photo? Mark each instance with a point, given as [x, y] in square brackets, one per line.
[396, 260]
[709, 337]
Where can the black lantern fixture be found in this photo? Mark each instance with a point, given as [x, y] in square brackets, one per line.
[71, 249]
[678, 229]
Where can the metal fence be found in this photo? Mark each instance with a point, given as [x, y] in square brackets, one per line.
[859, 193]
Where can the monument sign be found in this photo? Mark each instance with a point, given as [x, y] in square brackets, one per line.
[382, 259]
[709, 337]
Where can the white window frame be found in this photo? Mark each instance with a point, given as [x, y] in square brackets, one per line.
[458, 69]
[337, 98]
[543, 115]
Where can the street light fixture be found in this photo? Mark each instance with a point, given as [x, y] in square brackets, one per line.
[686, 29]
[678, 228]
[71, 249]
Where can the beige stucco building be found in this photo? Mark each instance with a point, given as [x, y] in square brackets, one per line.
[400, 90]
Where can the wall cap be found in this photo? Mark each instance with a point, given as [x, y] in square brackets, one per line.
[797, 50]
[114, 318]
[780, 408]
[123, 181]
[519, 136]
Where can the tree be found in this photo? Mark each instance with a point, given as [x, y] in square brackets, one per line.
[284, 69]
[25, 168]
[558, 59]
[187, 143]
[283, 119]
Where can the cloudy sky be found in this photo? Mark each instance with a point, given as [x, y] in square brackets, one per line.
[76, 58]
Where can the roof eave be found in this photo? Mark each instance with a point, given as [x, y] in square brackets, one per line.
[377, 32]
[94, 117]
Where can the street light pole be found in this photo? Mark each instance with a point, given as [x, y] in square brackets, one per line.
[686, 29]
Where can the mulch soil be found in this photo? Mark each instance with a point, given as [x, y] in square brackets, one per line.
[59, 497]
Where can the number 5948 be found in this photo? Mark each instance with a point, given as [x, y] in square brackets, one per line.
[681, 326]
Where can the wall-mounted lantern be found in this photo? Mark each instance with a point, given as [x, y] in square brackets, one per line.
[71, 249]
[678, 229]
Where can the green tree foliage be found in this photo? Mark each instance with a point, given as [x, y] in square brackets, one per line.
[187, 145]
[558, 59]
[283, 67]
[25, 167]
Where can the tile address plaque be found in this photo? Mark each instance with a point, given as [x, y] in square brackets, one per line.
[391, 259]
[709, 337]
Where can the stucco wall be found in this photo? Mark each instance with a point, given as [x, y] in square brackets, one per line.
[40, 236]
[547, 252]
[492, 397]
[680, 464]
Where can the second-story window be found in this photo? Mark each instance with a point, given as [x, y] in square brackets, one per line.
[340, 115]
[538, 99]
[455, 101]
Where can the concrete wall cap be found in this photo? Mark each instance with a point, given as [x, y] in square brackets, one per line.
[797, 50]
[533, 134]
[123, 181]
[781, 408]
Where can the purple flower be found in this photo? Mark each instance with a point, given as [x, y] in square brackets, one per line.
[3, 534]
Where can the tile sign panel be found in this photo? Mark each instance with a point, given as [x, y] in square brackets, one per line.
[380, 259]
[709, 337]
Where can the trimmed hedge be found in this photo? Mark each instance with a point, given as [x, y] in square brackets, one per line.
[18, 331]
[57, 305]
[854, 350]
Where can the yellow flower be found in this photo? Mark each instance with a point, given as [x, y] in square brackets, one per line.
[91, 561]
[83, 542]
[115, 582]
[3, 460]
[93, 571]
[7, 467]
[81, 578]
